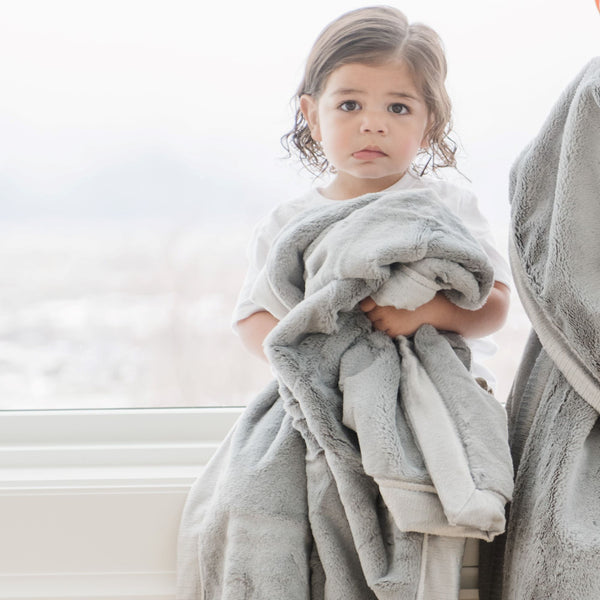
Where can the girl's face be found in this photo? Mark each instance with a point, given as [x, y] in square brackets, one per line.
[371, 122]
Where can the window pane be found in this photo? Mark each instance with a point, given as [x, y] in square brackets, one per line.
[140, 144]
[122, 315]
[128, 188]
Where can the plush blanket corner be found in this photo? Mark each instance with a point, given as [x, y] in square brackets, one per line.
[361, 471]
[552, 547]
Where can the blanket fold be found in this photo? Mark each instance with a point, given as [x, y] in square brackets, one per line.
[552, 546]
[377, 456]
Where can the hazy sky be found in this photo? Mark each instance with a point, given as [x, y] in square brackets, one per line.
[137, 105]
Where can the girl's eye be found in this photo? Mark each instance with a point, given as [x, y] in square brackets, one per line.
[398, 109]
[349, 105]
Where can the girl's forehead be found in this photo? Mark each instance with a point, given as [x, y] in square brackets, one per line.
[393, 76]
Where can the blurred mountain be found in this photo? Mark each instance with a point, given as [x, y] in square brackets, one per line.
[152, 185]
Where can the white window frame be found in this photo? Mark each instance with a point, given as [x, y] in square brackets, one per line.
[90, 500]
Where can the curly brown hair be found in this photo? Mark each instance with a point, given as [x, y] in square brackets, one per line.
[373, 36]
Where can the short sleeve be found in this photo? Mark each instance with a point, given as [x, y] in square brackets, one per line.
[256, 294]
[479, 227]
[256, 256]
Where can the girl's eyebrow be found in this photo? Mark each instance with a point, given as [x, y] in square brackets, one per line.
[405, 95]
[346, 91]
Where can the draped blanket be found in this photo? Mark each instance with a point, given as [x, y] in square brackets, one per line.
[358, 473]
[552, 546]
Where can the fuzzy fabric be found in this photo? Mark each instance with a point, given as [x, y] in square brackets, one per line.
[360, 472]
[552, 546]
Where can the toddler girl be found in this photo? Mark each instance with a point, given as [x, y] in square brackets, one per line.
[372, 108]
[362, 469]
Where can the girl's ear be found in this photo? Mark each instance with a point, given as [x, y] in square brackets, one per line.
[309, 108]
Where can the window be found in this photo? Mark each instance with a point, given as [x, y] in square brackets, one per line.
[140, 143]
[126, 209]
[113, 315]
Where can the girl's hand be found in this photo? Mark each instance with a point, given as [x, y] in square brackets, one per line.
[442, 314]
[398, 321]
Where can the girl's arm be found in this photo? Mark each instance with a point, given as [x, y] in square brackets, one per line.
[443, 315]
[254, 329]
[439, 312]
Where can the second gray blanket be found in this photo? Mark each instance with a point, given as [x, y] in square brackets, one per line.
[361, 470]
[552, 546]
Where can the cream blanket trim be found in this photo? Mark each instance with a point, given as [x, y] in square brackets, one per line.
[552, 338]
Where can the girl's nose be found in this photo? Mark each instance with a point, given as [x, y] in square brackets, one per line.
[373, 123]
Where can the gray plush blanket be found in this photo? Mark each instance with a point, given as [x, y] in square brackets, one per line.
[552, 546]
[360, 471]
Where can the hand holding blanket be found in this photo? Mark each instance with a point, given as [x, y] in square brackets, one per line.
[360, 473]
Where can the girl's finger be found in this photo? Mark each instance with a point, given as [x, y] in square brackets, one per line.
[367, 304]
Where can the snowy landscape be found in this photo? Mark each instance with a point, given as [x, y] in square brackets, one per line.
[107, 316]
[137, 314]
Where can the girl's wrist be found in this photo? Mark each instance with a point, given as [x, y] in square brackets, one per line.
[442, 314]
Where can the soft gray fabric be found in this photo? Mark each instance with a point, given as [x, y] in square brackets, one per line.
[552, 546]
[353, 475]
[555, 242]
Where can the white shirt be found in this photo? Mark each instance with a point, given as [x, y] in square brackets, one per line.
[460, 200]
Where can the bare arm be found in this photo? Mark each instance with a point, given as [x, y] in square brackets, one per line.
[254, 329]
[443, 315]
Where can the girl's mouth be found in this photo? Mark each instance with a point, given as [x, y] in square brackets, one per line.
[369, 153]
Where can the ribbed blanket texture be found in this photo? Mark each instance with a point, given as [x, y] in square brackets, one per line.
[552, 546]
[358, 473]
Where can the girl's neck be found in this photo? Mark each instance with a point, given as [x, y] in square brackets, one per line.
[346, 188]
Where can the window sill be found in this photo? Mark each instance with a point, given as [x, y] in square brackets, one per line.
[90, 501]
[83, 448]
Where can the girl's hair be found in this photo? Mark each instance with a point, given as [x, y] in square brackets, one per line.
[373, 36]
